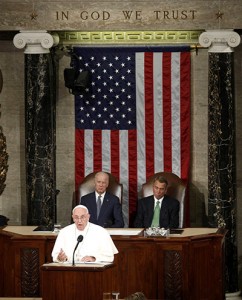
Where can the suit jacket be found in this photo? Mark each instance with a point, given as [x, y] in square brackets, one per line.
[169, 213]
[111, 210]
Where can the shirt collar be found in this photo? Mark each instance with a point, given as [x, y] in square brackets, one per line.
[102, 195]
[160, 200]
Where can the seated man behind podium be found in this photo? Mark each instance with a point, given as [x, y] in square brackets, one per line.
[95, 243]
[167, 215]
[110, 213]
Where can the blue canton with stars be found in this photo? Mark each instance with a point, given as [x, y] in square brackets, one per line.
[109, 102]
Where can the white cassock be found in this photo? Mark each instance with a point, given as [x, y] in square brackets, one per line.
[96, 242]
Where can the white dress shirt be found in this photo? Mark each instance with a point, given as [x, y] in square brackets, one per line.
[102, 196]
[159, 200]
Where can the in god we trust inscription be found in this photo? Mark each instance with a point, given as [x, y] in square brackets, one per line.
[128, 15]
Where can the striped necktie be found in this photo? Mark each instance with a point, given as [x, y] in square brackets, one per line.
[156, 216]
[99, 204]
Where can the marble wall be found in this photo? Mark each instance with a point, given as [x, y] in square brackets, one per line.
[65, 135]
[12, 200]
[199, 138]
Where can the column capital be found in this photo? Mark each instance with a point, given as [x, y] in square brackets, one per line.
[35, 42]
[220, 40]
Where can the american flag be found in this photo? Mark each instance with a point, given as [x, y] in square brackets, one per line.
[133, 120]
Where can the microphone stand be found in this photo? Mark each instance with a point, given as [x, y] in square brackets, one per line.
[79, 239]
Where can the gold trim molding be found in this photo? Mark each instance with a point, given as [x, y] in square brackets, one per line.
[128, 37]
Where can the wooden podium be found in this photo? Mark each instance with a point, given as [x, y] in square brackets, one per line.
[83, 281]
[186, 266]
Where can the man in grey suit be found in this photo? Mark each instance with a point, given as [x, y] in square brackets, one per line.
[104, 208]
[158, 210]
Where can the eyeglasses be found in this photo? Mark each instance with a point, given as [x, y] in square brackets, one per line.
[81, 218]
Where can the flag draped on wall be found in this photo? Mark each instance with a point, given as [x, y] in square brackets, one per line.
[134, 118]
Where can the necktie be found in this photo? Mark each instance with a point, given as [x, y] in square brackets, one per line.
[99, 204]
[156, 216]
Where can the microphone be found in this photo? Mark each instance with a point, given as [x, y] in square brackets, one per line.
[79, 239]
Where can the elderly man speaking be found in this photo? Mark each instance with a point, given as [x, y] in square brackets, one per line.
[83, 241]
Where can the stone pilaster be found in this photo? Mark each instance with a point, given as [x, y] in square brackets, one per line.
[40, 107]
[221, 144]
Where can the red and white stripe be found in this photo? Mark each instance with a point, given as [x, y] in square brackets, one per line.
[162, 139]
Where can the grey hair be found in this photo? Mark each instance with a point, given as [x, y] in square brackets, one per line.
[102, 173]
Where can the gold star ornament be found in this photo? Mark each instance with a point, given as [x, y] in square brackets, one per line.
[33, 15]
[219, 15]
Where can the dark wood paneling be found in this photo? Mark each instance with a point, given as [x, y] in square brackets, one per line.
[75, 283]
[185, 268]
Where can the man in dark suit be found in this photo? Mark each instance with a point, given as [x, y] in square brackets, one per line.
[104, 208]
[164, 207]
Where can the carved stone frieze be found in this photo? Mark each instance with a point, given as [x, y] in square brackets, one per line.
[120, 15]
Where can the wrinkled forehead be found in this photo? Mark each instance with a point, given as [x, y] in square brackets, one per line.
[159, 184]
[102, 177]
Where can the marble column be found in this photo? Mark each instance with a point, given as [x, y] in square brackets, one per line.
[3, 150]
[221, 144]
[40, 107]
